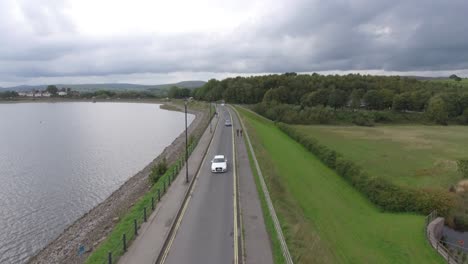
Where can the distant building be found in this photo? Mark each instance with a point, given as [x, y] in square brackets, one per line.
[62, 93]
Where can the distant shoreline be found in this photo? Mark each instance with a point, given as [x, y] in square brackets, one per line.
[74, 100]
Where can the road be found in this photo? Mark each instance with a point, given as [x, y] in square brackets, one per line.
[205, 232]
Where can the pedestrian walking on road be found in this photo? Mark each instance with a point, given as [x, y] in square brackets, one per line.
[241, 132]
[237, 132]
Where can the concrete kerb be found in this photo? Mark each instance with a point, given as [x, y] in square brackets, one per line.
[187, 194]
[279, 231]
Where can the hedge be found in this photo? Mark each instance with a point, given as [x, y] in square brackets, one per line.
[386, 195]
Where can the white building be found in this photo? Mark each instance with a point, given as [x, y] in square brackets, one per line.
[62, 93]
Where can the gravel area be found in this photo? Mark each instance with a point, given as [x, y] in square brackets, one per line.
[93, 227]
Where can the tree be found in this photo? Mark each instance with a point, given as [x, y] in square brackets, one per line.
[400, 102]
[316, 98]
[337, 99]
[52, 89]
[373, 100]
[8, 94]
[455, 77]
[356, 97]
[386, 96]
[437, 110]
[173, 92]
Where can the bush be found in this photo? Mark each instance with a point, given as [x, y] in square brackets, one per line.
[363, 119]
[462, 167]
[386, 195]
[158, 170]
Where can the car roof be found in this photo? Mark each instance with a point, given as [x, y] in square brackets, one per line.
[219, 157]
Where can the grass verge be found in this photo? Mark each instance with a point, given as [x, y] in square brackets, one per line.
[325, 220]
[275, 244]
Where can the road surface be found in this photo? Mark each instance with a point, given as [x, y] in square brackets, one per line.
[205, 232]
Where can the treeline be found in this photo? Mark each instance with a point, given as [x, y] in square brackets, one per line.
[8, 95]
[104, 94]
[381, 192]
[440, 102]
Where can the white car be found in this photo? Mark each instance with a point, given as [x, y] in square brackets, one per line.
[219, 164]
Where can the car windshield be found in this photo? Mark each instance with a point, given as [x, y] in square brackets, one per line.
[218, 160]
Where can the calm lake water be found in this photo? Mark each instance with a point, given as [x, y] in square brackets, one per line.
[59, 160]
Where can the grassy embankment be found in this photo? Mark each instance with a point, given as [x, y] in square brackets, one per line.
[325, 220]
[415, 156]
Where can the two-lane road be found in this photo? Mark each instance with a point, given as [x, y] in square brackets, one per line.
[205, 230]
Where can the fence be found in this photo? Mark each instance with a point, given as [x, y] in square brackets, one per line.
[127, 229]
[453, 254]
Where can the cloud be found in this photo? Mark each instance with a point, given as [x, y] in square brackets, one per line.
[51, 39]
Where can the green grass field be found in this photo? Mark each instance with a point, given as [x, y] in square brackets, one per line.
[326, 220]
[416, 155]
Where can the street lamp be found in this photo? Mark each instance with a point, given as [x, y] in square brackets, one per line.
[186, 144]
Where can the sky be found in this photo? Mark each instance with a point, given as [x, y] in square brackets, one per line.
[153, 42]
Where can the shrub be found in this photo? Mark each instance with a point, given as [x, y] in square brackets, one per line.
[158, 170]
[363, 119]
[462, 167]
[386, 195]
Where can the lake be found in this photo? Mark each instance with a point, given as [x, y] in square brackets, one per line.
[59, 160]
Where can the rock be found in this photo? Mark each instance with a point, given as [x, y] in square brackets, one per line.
[115, 219]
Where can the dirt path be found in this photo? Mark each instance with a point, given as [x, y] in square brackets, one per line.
[94, 226]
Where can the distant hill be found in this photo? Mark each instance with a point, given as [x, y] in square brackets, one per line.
[110, 86]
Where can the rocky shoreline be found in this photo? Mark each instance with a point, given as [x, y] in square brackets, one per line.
[93, 227]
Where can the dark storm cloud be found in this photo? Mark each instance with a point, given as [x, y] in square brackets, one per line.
[304, 36]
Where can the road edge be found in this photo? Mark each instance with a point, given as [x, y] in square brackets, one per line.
[173, 231]
[271, 209]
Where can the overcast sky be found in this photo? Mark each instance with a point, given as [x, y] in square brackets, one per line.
[150, 41]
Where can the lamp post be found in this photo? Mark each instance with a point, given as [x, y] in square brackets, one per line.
[186, 145]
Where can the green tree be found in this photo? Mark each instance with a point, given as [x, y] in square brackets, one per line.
[455, 77]
[8, 94]
[437, 110]
[316, 98]
[52, 89]
[356, 97]
[173, 92]
[337, 99]
[373, 100]
[400, 102]
[386, 96]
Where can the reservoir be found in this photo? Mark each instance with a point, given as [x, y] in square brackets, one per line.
[59, 160]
